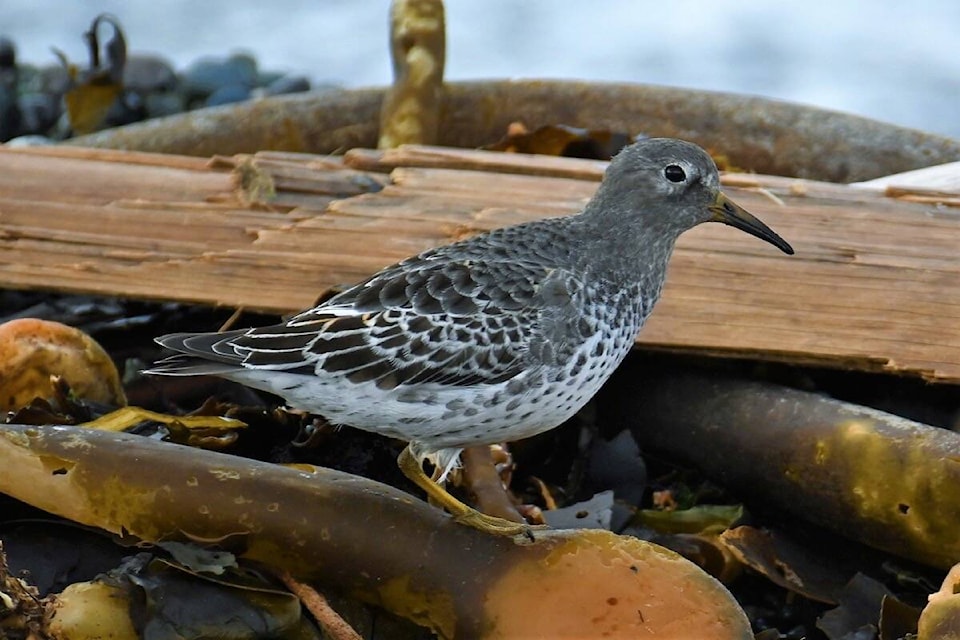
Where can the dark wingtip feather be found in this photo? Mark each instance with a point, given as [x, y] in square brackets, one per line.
[205, 346]
[199, 354]
[184, 365]
[173, 341]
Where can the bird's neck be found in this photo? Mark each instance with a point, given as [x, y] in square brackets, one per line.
[626, 251]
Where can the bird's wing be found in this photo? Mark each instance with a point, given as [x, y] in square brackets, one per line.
[426, 320]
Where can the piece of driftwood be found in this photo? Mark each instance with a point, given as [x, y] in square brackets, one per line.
[756, 134]
[875, 284]
[877, 478]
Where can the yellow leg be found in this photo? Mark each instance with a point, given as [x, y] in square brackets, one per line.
[461, 512]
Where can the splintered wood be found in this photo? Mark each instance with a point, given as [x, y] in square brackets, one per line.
[874, 285]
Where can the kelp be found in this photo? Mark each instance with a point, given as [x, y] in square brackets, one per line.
[331, 527]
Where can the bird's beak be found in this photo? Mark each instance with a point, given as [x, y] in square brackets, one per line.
[729, 212]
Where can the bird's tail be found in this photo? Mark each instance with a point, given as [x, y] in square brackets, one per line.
[184, 365]
[201, 354]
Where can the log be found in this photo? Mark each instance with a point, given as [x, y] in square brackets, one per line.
[874, 286]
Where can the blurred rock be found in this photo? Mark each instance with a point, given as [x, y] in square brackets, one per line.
[129, 107]
[165, 104]
[287, 84]
[266, 77]
[227, 95]
[9, 81]
[38, 113]
[53, 79]
[209, 75]
[8, 53]
[154, 86]
[146, 74]
[32, 98]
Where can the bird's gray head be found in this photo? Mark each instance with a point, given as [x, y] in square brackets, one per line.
[656, 189]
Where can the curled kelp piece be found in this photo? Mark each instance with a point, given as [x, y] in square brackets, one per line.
[411, 107]
[96, 91]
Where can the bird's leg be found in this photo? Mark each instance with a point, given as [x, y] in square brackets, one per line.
[464, 514]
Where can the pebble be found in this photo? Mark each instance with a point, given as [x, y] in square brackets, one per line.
[38, 113]
[209, 75]
[287, 84]
[227, 95]
[148, 73]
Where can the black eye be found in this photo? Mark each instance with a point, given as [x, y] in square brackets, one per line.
[674, 173]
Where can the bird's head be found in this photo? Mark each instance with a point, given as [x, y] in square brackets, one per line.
[663, 187]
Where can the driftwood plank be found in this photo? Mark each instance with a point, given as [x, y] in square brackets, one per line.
[875, 284]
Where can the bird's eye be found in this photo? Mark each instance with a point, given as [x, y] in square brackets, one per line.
[674, 173]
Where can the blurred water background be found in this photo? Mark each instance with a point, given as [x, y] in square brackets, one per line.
[887, 59]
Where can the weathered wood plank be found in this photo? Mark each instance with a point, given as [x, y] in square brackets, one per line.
[875, 284]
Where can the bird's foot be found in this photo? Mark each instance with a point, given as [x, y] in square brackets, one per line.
[494, 525]
[462, 513]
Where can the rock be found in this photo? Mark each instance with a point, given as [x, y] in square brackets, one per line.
[227, 95]
[287, 84]
[8, 53]
[167, 103]
[207, 75]
[9, 84]
[38, 112]
[129, 107]
[146, 74]
[53, 79]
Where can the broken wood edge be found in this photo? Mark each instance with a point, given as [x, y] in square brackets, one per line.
[435, 157]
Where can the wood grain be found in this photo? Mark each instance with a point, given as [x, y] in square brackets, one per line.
[874, 285]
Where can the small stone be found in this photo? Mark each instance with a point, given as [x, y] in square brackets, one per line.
[228, 95]
[147, 74]
[287, 84]
[164, 104]
[38, 112]
[207, 75]
[8, 53]
[52, 79]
